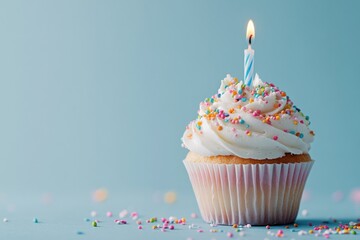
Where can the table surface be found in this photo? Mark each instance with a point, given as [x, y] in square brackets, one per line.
[70, 218]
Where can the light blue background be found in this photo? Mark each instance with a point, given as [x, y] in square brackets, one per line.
[98, 93]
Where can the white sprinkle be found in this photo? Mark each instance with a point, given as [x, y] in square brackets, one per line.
[304, 213]
[5, 220]
[302, 232]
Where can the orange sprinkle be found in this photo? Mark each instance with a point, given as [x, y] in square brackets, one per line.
[296, 122]
[251, 100]
[277, 117]
[283, 94]
[220, 128]
[199, 123]
[231, 110]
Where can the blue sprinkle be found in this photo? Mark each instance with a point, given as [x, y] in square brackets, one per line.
[226, 120]
[80, 233]
[301, 135]
[211, 100]
[292, 132]
[307, 118]
[240, 91]
[244, 99]
[241, 121]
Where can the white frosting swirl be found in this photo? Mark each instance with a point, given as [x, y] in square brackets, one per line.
[257, 122]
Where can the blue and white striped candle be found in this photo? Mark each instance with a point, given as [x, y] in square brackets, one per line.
[249, 55]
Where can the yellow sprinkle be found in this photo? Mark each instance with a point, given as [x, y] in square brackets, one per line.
[100, 195]
[277, 117]
[311, 231]
[251, 100]
[199, 123]
[170, 197]
[295, 122]
[154, 227]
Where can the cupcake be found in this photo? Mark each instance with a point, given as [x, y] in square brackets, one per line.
[248, 157]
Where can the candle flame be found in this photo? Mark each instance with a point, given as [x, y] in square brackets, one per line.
[250, 31]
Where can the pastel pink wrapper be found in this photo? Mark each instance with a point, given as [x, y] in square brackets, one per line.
[256, 194]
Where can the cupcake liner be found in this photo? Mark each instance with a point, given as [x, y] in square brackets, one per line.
[257, 194]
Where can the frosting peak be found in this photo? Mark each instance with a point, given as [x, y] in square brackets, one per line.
[258, 122]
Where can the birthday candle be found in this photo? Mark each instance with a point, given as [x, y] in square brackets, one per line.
[249, 55]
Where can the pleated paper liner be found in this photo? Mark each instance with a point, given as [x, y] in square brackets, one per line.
[256, 194]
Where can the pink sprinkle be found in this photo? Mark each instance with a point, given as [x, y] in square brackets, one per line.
[123, 222]
[267, 226]
[163, 230]
[200, 231]
[109, 214]
[193, 215]
[230, 235]
[123, 213]
[138, 222]
[171, 227]
[116, 221]
[163, 220]
[280, 232]
[275, 138]
[140, 227]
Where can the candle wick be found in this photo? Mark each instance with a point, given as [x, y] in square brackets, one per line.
[250, 39]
